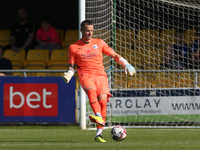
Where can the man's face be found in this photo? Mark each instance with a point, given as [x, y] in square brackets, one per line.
[45, 26]
[87, 32]
[22, 15]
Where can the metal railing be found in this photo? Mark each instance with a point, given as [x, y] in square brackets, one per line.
[25, 71]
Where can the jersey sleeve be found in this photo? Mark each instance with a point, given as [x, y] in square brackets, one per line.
[106, 49]
[71, 57]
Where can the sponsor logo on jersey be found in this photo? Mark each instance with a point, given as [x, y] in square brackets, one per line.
[95, 46]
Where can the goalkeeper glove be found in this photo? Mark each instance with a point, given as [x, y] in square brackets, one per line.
[67, 76]
[130, 69]
[127, 67]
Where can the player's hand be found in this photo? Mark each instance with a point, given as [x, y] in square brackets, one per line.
[67, 77]
[130, 69]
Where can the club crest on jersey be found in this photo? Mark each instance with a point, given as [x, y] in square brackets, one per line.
[95, 46]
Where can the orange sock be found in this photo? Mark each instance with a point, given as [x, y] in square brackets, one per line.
[103, 104]
[92, 95]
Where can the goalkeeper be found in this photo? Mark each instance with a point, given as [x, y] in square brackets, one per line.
[86, 53]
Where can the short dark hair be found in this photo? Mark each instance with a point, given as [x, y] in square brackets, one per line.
[46, 19]
[86, 22]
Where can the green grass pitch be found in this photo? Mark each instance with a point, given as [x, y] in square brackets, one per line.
[72, 138]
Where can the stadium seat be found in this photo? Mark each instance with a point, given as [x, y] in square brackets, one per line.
[104, 34]
[186, 80]
[139, 81]
[33, 67]
[166, 37]
[163, 80]
[189, 36]
[44, 74]
[125, 37]
[153, 60]
[59, 57]
[37, 57]
[128, 54]
[139, 54]
[64, 68]
[60, 34]
[71, 36]
[120, 81]
[17, 59]
[4, 37]
[147, 37]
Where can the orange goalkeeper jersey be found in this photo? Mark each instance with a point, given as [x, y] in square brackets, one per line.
[89, 57]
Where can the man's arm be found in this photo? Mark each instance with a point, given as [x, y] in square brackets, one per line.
[28, 41]
[69, 74]
[12, 41]
[127, 67]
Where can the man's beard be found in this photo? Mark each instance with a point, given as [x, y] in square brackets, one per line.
[21, 19]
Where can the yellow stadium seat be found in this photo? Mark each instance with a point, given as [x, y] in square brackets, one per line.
[186, 80]
[64, 68]
[44, 74]
[129, 54]
[141, 53]
[139, 81]
[4, 37]
[153, 59]
[37, 57]
[167, 37]
[164, 80]
[189, 36]
[60, 34]
[59, 57]
[33, 67]
[71, 36]
[17, 59]
[125, 37]
[120, 81]
[147, 37]
[104, 34]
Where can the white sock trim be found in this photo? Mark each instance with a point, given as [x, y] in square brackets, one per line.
[99, 132]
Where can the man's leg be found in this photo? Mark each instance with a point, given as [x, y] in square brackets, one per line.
[52, 47]
[88, 84]
[103, 103]
[40, 46]
[92, 95]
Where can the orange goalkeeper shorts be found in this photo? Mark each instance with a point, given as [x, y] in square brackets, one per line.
[98, 83]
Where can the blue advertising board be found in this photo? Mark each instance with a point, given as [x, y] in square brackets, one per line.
[37, 100]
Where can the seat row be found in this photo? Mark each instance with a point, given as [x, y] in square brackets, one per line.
[38, 59]
[67, 38]
[124, 37]
[140, 80]
[155, 80]
[132, 37]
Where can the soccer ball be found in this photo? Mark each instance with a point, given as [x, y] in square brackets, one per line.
[118, 133]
